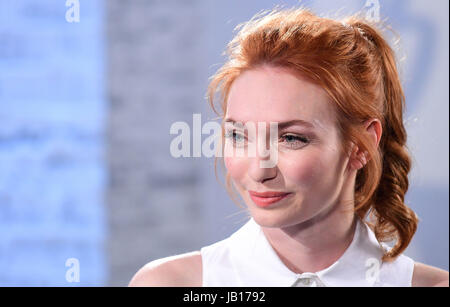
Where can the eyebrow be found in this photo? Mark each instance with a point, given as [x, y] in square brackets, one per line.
[282, 125]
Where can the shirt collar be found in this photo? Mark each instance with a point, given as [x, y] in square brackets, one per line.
[256, 262]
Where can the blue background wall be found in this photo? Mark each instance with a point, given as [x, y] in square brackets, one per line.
[51, 143]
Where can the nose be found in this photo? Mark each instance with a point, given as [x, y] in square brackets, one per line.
[260, 173]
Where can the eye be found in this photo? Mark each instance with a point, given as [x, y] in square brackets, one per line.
[294, 141]
[234, 136]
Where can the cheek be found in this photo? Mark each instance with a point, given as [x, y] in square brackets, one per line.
[236, 167]
[307, 169]
[301, 170]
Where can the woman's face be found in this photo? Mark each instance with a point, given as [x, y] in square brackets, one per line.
[310, 166]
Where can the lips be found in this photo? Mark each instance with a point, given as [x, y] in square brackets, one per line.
[265, 199]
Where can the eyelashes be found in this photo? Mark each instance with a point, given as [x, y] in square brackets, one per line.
[295, 139]
[290, 140]
[230, 134]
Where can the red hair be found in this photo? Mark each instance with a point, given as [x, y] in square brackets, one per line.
[352, 61]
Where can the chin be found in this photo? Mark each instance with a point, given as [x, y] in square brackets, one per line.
[273, 219]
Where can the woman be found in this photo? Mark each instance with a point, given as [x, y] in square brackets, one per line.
[320, 215]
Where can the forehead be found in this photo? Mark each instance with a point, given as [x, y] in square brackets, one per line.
[277, 94]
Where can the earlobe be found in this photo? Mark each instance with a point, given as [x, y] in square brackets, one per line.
[358, 159]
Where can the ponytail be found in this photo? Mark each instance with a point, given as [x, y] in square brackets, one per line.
[393, 218]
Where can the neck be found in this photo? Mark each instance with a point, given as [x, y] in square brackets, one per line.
[317, 243]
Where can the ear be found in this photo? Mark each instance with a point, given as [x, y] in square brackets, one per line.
[374, 128]
[359, 159]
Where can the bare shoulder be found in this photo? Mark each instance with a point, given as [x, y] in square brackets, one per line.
[429, 276]
[184, 270]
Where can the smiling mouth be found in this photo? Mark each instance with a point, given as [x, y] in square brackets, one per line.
[265, 199]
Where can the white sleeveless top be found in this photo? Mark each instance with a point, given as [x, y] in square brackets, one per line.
[246, 259]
